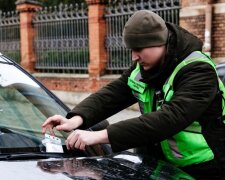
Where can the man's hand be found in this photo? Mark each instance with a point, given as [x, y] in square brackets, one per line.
[61, 124]
[79, 139]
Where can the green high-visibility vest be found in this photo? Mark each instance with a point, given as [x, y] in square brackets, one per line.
[188, 146]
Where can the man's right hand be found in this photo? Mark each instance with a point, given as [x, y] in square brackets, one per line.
[61, 124]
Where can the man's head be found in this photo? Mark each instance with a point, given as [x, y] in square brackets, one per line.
[146, 34]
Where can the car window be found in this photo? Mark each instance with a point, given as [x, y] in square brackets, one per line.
[24, 106]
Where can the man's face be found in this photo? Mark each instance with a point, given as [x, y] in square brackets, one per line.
[149, 57]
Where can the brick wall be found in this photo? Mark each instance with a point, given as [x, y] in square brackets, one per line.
[195, 25]
[192, 18]
[218, 36]
[97, 33]
[188, 3]
[74, 84]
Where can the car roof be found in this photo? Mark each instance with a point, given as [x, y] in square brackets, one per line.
[222, 64]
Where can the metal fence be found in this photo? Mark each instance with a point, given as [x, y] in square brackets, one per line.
[61, 41]
[117, 14]
[10, 35]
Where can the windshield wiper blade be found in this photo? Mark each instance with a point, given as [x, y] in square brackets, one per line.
[20, 150]
[36, 153]
[25, 156]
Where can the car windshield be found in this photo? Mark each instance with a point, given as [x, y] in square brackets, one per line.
[24, 106]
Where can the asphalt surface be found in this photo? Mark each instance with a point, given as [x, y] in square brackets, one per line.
[122, 115]
[74, 98]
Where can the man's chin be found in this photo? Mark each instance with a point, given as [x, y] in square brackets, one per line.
[146, 68]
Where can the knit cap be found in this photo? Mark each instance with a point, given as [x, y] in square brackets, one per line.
[145, 29]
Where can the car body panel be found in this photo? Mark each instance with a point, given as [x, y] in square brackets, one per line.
[118, 166]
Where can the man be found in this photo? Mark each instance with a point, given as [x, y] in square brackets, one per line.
[177, 88]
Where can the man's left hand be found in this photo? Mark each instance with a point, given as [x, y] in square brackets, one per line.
[78, 139]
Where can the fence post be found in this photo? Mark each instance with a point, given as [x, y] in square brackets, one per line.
[97, 34]
[27, 10]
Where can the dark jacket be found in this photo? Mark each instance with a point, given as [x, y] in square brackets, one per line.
[196, 98]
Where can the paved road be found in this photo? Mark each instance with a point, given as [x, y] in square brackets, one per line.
[74, 98]
[122, 115]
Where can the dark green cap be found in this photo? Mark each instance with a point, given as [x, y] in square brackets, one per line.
[145, 29]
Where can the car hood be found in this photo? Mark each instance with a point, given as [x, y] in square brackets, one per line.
[118, 166]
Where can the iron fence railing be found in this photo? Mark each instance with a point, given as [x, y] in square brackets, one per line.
[61, 41]
[10, 35]
[117, 13]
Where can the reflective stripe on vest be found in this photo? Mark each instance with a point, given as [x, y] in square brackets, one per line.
[188, 146]
[141, 90]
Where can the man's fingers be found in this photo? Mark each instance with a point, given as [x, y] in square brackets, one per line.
[48, 121]
[48, 128]
[71, 140]
[43, 130]
[63, 127]
[77, 144]
[59, 128]
[82, 146]
[79, 139]
[67, 145]
[53, 120]
[51, 132]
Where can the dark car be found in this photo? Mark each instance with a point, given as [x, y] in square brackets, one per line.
[221, 71]
[24, 105]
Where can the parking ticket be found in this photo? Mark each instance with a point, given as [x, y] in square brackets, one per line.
[53, 144]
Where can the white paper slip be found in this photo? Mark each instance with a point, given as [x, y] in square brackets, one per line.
[54, 148]
[52, 144]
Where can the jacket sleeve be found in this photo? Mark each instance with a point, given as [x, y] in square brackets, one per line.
[195, 87]
[107, 101]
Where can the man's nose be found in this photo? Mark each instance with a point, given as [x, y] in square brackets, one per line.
[135, 56]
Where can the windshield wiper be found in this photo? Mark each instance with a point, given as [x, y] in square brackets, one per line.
[25, 156]
[21, 150]
[36, 153]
